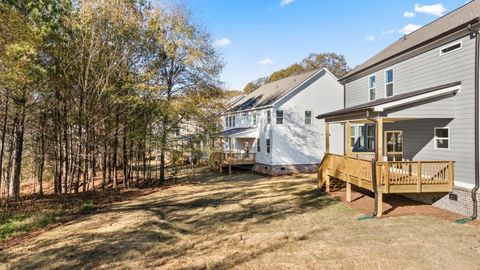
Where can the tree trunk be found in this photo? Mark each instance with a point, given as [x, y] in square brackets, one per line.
[4, 132]
[115, 150]
[15, 187]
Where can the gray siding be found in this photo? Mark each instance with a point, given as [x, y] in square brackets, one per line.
[428, 70]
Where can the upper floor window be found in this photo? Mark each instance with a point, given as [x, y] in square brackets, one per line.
[308, 117]
[254, 118]
[269, 117]
[233, 120]
[372, 85]
[389, 82]
[279, 117]
[451, 48]
[230, 121]
[258, 145]
[226, 121]
[442, 138]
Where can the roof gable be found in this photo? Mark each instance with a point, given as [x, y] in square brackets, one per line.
[461, 16]
[269, 93]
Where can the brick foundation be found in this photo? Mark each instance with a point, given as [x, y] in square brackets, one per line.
[462, 205]
[285, 169]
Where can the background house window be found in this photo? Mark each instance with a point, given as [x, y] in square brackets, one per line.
[230, 121]
[442, 138]
[268, 146]
[372, 85]
[226, 121]
[269, 117]
[254, 118]
[233, 120]
[389, 82]
[308, 117]
[279, 117]
[258, 145]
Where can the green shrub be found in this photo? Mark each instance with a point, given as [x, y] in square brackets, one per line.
[87, 206]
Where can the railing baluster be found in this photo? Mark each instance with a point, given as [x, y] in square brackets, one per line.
[419, 176]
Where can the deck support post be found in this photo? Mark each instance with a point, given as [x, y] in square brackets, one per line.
[379, 204]
[327, 138]
[349, 192]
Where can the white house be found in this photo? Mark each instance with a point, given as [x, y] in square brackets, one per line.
[274, 128]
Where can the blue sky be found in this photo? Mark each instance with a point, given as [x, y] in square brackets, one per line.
[257, 37]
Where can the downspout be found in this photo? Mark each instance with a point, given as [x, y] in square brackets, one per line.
[474, 33]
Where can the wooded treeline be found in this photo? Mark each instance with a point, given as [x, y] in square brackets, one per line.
[96, 87]
[335, 63]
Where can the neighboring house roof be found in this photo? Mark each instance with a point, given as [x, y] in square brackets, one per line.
[269, 93]
[396, 101]
[464, 15]
[238, 132]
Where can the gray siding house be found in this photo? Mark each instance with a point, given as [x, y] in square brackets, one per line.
[413, 110]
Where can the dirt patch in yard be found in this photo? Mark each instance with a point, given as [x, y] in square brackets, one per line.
[247, 221]
[394, 205]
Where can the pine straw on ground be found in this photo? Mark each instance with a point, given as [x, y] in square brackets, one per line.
[247, 221]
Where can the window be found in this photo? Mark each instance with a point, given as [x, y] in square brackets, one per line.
[269, 117]
[362, 137]
[451, 48]
[258, 145]
[254, 118]
[226, 121]
[230, 121]
[268, 145]
[244, 114]
[308, 117]
[372, 85]
[389, 83]
[442, 138]
[370, 137]
[279, 117]
[233, 120]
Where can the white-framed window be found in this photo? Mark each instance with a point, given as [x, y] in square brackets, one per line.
[372, 87]
[258, 145]
[233, 121]
[451, 48]
[353, 135]
[389, 80]
[442, 138]
[308, 117]
[370, 137]
[269, 145]
[269, 116]
[279, 117]
[254, 119]
[226, 121]
[362, 137]
[230, 121]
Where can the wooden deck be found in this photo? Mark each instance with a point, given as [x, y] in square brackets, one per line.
[227, 159]
[390, 177]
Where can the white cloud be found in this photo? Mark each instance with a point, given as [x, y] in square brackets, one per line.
[285, 2]
[408, 14]
[437, 9]
[409, 28]
[388, 32]
[370, 38]
[223, 42]
[265, 62]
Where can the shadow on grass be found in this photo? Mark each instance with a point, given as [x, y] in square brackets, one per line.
[180, 224]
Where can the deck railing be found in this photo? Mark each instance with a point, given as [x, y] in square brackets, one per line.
[392, 177]
[233, 158]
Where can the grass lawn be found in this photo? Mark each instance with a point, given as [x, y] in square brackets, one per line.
[246, 221]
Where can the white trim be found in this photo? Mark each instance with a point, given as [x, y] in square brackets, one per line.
[464, 185]
[369, 88]
[435, 138]
[440, 92]
[450, 45]
[385, 81]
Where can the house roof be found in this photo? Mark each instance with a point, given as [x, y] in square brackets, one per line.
[238, 132]
[384, 103]
[269, 93]
[464, 15]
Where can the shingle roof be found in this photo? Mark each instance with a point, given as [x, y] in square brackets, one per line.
[371, 104]
[271, 92]
[456, 18]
